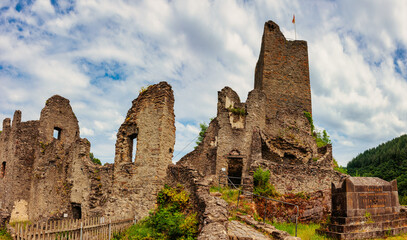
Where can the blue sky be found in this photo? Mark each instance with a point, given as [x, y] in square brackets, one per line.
[99, 53]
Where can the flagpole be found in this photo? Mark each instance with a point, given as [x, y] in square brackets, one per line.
[295, 27]
[295, 30]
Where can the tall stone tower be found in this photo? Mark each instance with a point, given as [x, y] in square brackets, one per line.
[282, 72]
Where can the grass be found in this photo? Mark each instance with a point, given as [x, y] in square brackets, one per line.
[307, 231]
[304, 231]
[228, 194]
[4, 235]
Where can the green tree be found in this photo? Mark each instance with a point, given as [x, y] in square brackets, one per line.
[201, 135]
[387, 161]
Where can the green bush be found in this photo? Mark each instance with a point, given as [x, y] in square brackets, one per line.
[339, 168]
[4, 235]
[237, 111]
[262, 185]
[94, 160]
[322, 139]
[172, 219]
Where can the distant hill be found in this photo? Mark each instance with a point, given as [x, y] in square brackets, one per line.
[387, 161]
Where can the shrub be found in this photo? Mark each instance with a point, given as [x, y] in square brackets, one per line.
[262, 185]
[4, 234]
[237, 111]
[172, 218]
[94, 160]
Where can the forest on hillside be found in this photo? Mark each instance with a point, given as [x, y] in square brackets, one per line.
[387, 161]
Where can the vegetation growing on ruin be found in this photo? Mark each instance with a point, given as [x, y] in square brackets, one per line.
[203, 126]
[310, 120]
[339, 168]
[95, 160]
[143, 89]
[262, 186]
[173, 218]
[322, 138]
[4, 235]
[387, 161]
[201, 135]
[237, 111]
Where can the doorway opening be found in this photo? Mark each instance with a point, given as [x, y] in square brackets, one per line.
[235, 168]
[76, 210]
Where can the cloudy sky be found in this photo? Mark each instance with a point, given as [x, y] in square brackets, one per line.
[99, 53]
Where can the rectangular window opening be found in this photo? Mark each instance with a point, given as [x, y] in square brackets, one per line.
[3, 170]
[57, 133]
[133, 147]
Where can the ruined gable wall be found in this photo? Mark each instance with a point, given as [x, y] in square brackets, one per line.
[52, 176]
[151, 121]
[234, 138]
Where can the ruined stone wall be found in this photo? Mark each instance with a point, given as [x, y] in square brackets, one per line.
[46, 171]
[282, 72]
[46, 175]
[150, 121]
[18, 144]
[270, 129]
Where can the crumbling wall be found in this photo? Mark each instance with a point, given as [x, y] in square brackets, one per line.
[46, 171]
[212, 211]
[270, 129]
[151, 121]
[47, 175]
[17, 152]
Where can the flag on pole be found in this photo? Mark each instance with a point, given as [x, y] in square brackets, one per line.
[294, 18]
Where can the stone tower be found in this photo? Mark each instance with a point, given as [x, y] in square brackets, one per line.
[282, 72]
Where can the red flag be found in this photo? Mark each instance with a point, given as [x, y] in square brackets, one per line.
[294, 18]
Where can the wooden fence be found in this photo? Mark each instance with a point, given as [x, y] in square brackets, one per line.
[99, 228]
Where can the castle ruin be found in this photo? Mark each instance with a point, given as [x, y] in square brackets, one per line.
[47, 173]
[270, 129]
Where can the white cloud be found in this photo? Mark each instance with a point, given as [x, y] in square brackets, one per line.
[86, 132]
[100, 53]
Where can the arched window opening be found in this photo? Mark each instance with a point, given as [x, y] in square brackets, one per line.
[3, 170]
[133, 146]
[57, 133]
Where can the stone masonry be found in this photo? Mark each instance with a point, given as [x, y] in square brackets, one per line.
[46, 171]
[137, 179]
[365, 207]
[270, 129]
